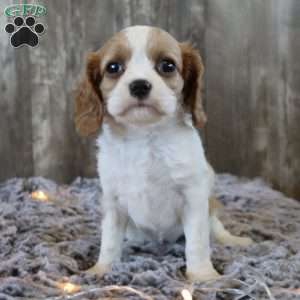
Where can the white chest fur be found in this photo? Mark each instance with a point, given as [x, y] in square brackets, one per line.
[143, 173]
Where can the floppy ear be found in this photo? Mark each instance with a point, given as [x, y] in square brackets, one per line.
[88, 101]
[192, 71]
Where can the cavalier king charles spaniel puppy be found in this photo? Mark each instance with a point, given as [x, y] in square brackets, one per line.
[142, 92]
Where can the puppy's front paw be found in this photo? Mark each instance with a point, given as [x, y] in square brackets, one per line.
[98, 269]
[202, 275]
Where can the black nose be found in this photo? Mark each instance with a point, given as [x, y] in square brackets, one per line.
[140, 88]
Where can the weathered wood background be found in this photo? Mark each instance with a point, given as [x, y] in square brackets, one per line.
[251, 50]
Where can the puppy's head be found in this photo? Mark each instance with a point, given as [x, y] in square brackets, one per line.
[141, 76]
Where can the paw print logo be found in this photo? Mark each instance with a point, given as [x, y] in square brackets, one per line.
[24, 32]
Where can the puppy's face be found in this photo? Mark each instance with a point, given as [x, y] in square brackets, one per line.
[139, 77]
[141, 81]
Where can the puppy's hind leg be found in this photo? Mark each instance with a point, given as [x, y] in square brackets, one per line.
[133, 234]
[224, 236]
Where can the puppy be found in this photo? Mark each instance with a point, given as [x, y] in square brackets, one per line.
[143, 88]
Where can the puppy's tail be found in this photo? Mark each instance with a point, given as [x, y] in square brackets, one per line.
[218, 230]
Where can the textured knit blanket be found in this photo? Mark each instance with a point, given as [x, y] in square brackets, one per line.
[50, 233]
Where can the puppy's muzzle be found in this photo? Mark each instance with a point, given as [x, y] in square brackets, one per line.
[140, 88]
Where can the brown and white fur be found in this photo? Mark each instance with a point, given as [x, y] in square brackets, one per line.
[156, 180]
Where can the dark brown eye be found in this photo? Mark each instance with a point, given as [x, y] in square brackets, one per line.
[114, 68]
[166, 66]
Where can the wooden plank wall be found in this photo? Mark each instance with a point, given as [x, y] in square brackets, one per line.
[252, 84]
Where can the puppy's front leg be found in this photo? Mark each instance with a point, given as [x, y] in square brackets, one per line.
[113, 232]
[196, 230]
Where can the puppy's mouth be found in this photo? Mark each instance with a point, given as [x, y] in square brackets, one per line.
[142, 106]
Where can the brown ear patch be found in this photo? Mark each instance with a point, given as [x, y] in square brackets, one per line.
[88, 99]
[192, 72]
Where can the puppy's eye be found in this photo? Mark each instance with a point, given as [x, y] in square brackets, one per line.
[166, 66]
[114, 68]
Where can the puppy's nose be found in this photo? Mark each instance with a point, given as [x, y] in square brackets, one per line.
[140, 88]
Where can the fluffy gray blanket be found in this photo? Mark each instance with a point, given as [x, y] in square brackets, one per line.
[46, 245]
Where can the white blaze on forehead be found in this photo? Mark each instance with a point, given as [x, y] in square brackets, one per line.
[137, 37]
[148, 43]
[139, 64]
